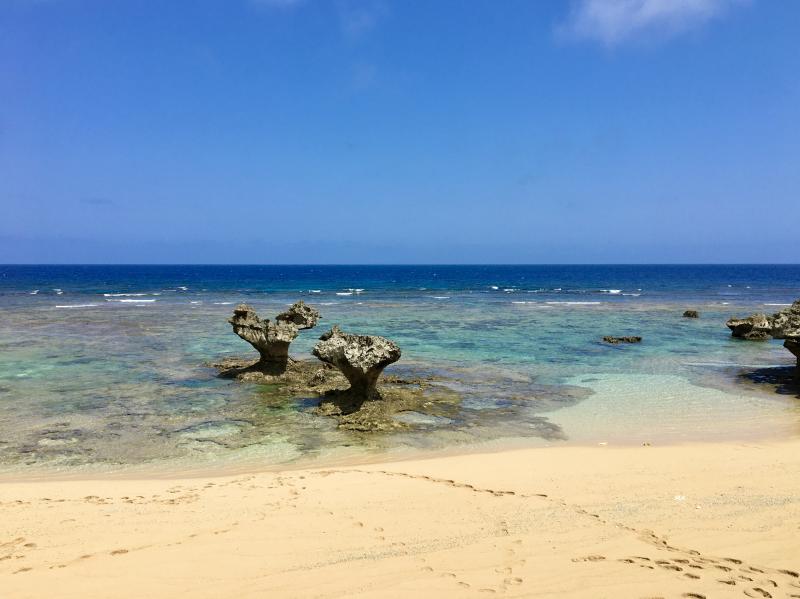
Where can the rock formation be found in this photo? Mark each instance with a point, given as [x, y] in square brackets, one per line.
[361, 358]
[301, 315]
[781, 325]
[786, 323]
[758, 327]
[272, 339]
[793, 345]
[615, 340]
[691, 314]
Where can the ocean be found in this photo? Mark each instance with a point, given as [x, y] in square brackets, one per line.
[105, 368]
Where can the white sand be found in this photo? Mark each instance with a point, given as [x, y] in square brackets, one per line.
[716, 520]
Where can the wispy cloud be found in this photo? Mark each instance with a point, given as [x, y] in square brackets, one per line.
[612, 22]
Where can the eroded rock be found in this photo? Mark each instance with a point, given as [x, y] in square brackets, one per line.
[759, 326]
[360, 358]
[272, 339]
[756, 327]
[691, 314]
[786, 323]
[301, 315]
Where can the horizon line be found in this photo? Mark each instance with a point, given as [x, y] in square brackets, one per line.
[384, 264]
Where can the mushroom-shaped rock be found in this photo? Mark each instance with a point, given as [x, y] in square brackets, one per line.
[691, 314]
[361, 358]
[272, 339]
[756, 327]
[301, 315]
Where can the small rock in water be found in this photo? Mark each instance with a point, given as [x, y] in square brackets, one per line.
[615, 340]
[691, 314]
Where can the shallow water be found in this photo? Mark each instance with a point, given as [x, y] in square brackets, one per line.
[103, 367]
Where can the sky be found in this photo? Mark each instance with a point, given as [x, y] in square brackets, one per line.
[399, 131]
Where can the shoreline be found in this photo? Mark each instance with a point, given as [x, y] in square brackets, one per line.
[550, 521]
[240, 467]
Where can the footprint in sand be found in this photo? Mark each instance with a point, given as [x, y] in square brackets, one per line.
[594, 558]
[758, 592]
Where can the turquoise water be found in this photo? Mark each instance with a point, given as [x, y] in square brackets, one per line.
[104, 367]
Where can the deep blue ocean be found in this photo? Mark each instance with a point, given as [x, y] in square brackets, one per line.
[106, 366]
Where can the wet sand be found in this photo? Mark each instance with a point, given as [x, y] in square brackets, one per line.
[698, 520]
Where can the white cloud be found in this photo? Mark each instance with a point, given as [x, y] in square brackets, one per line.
[615, 21]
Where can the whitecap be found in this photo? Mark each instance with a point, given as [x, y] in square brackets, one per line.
[612, 291]
[495, 287]
[183, 288]
[344, 293]
[132, 301]
[441, 297]
[222, 303]
[326, 303]
[510, 290]
[777, 304]
[196, 302]
[34, 292]
[575, 303]
[632, 294]
[124, 294]
[315, 291]
[79, 306]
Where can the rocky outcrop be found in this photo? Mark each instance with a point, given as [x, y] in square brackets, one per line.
[272, 339]
[691, 314]
[759, 326]
[786, 323]
[793, 345]
[616, 340]
[756, 327]
[361, 358]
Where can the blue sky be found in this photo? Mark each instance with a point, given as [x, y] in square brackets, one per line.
[370, 131]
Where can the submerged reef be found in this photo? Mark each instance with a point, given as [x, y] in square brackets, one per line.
[361, 358]
[272, 339]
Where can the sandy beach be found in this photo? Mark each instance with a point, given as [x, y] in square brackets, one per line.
[712, 520]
